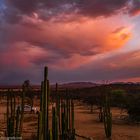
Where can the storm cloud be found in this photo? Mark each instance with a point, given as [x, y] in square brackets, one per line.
[13, 10]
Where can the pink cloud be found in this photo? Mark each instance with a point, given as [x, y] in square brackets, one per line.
[70, 43]
[20, 54]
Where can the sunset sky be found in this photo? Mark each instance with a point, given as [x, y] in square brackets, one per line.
[79, 40]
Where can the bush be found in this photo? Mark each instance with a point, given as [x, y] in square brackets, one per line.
[133, 108]
[118, 98]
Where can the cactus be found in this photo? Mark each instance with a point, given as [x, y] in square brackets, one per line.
[13, 116]
[72, 114]
[24, 89]
[10, 127]
[107, 117]
[58, 104]
[50, 135]
[72, 120]
[44, 109]
[10, 114]
[67, 120]
[17, 122]
[62, 115]
[47, 117]
[63, 126]
[40, 126]
[54, 124]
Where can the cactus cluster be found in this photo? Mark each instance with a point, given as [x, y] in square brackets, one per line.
[62, 115]
[14, 115]
[107, 117]
[67, 131]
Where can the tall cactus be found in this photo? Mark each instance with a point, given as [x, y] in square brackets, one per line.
[58, 105]
[44, 109]
[48, 101]
[54, 124]
[107, 117]
[72, 115]
[63, 123]
[24, 90]
[41, 115]
[8, 102]
[10, 114]
[17, 133]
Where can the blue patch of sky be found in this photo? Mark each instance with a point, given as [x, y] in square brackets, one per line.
[134, 43]
[2, 9]
[2, 5]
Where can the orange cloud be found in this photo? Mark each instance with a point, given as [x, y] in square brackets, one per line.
[119, 38]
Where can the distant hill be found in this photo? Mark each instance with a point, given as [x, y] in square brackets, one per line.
[78, 85]
[72, 85]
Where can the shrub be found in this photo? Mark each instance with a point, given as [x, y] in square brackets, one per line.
[133, 108]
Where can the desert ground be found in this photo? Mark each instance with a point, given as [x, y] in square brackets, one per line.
[86, 123]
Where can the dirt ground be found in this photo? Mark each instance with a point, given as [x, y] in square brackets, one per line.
[86, 124]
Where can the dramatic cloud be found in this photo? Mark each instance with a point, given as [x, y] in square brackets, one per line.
[71, 37]
[66, 42]
[135, 7]
[59, 10]
[120, 67]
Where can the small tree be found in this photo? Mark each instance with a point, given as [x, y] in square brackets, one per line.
[133, 108]
[29, 91]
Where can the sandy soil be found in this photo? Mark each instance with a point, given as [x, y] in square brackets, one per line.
[86, 124]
